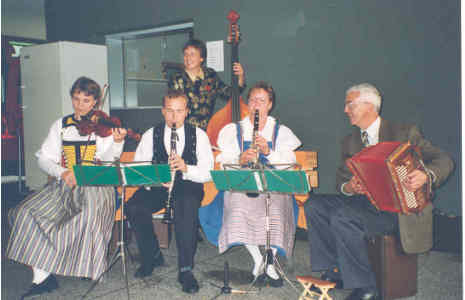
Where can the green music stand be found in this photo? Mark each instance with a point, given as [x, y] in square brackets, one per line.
[264, 180]
[120, 174]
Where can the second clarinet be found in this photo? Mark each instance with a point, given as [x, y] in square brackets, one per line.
[168, 217]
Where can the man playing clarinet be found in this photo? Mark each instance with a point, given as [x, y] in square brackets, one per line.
[190, 163]
[339, 224]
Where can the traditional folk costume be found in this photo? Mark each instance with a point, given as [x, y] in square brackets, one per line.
[187, 193]
[235, 219]
[61, 230]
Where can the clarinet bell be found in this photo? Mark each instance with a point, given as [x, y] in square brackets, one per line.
[252, 195]
[167, 217]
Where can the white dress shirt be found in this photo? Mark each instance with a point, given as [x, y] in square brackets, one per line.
[199, 173]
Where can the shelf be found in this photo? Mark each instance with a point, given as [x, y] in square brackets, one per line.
[146, 79]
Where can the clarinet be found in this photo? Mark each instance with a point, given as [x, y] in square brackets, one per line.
[254, 164]
[168, 217]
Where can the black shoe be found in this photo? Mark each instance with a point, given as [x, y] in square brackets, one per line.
[85, 278]
[369, 293]
[147, 269]
[188, 282]
[274, 282]
[333, 277]
[45, 286]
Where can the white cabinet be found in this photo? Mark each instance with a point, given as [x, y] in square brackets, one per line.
[47, 74]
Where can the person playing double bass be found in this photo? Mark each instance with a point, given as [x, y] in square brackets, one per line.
[201, 84]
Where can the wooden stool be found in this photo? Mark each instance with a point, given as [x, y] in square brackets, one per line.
[309, 281]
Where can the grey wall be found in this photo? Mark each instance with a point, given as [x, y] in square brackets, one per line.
[311, 51]
[24, 18]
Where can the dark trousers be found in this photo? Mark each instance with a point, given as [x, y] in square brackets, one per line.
[338, 226]
[187, 196]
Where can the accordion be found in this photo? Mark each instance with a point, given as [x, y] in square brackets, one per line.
[382, 168]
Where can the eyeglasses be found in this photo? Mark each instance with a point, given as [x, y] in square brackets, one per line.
[258, 100]
[352, 104]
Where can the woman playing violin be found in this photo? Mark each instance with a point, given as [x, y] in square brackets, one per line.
[64, 228]
[201, 84]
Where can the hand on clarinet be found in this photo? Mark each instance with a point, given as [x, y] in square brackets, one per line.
[68, 178]
[248, 155]
[177, 163]
[415, 180]
[262, 145]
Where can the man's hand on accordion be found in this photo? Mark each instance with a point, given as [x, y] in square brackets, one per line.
[354, 186]
[415, 180]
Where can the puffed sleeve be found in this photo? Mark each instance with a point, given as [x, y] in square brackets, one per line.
[49, 154]
[227, 142]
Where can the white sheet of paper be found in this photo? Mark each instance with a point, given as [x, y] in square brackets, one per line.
[215, 55]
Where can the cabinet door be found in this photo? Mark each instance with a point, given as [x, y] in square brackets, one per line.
[42, 103]
[137, 64]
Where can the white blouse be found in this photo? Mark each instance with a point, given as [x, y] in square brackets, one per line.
[50, 153]
[286, 142]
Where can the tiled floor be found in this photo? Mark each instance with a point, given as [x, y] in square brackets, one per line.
[439, 276]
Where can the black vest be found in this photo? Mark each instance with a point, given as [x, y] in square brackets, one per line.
[160, 156]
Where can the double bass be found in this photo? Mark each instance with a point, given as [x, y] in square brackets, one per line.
[234, 110]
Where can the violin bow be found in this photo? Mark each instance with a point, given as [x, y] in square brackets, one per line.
[104, 97]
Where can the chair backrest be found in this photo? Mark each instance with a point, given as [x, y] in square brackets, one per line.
[309, 162]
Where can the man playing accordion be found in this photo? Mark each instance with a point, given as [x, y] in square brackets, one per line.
[338, 224]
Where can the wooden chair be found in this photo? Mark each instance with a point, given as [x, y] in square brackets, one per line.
[163, 231]
[308, 160]
[308, 281]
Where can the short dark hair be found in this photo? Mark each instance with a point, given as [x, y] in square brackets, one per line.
[87, 86]
[170, 94]
[199, 45]
[262, 85]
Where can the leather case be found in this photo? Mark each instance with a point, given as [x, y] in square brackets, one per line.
[396, 271]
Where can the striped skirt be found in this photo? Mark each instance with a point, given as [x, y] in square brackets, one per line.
[244, 222]
[63, 231]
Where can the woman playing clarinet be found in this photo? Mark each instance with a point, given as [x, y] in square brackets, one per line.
[244, 217]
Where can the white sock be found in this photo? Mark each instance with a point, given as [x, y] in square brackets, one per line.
[270, 270]
[39, 275]
[257, 258]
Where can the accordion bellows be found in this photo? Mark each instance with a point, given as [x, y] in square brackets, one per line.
[382, 168]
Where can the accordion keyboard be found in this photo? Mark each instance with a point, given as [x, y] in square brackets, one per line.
[402, 172]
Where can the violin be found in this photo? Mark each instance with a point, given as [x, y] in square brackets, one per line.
[98, 122]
